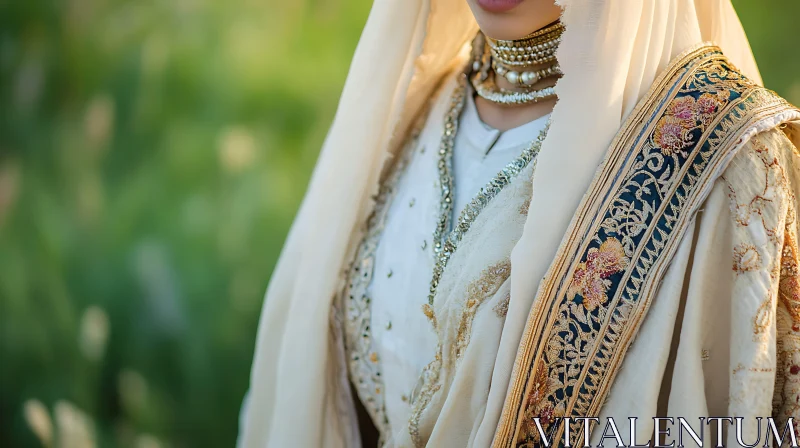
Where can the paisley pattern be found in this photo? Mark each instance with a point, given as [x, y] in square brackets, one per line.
[599, 288]
[746, 258]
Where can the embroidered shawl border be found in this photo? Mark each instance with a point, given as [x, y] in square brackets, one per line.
[590, 305]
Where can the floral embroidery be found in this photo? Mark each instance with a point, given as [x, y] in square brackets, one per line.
[708, 105]
[672, 135]
[746, 258]
[683, 108]
[674, 130]
[750, 209]
[591, 276]
[537, 405]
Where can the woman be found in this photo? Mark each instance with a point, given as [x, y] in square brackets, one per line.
[477, 258]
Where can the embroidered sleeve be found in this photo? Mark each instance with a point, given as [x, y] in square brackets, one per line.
[786, 401]
[762, 183]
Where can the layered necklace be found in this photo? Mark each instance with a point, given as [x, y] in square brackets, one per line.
[523, 63]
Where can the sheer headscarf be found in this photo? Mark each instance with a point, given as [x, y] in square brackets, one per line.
[610, 54]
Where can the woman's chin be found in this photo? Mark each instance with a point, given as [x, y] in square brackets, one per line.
[513, 19]
[504, 27]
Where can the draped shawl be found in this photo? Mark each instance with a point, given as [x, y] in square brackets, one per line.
[611, 54]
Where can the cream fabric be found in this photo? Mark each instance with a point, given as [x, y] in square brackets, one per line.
[707, 346]
[403, 338]
[610, 54]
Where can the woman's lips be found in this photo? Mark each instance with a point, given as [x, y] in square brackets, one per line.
[498, 5]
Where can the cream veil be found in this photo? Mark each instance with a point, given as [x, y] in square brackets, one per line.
[611, 52]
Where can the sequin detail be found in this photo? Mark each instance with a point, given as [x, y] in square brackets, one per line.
[445, 242]
[362, 358]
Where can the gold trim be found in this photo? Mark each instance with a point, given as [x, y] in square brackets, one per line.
[354, 304]
[573, 246]
[504, 429]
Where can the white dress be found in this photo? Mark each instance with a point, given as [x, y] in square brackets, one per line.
[402, 337]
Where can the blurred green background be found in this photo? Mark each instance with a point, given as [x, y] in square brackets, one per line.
[152, 156]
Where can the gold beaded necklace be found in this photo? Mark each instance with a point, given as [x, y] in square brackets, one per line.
[523, 63]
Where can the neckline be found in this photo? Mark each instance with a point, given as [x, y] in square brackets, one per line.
[447, 236]
[482, 135]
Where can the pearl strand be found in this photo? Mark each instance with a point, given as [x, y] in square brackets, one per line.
[526, 78]
[488, 90]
